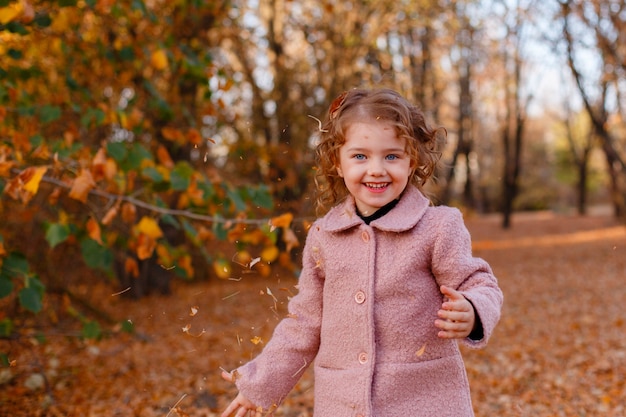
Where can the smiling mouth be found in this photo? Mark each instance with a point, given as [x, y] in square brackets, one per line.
[376, 186]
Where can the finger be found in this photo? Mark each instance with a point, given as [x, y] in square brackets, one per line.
[227, 376]
[452, 315]
[232, 407]
[451, 293]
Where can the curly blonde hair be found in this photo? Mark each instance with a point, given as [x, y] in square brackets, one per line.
[379, 105]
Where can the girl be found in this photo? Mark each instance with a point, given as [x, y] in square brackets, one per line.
[388, 283]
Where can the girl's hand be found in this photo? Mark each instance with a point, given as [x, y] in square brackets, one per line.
[241, 406]
[456, 316]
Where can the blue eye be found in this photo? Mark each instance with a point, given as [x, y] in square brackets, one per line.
[392, 157]
[359, 156]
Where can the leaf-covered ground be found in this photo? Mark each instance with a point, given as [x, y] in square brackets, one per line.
[559, 350]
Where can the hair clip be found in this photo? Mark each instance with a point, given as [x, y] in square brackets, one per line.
[336, 104]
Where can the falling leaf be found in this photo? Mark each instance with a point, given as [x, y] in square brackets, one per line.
[254, 261]
[256, 340]
[194, 311]
[421, 351]
[290, 239]
[187, 328]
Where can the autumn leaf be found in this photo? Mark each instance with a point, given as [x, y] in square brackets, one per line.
[149, 227]
[194, 311]
[93, 230]
[145, 246]
[270, 254]
[10, 12]
[158, 59]
[129, 213]
[164, 157]
[194, 137]
[99, 165]
[36, 174]
[110, 215]
[131, 267]
[284, 220]
[82, 185]
[256, 340]
[421, 351]
[222, 268]
[290, 239]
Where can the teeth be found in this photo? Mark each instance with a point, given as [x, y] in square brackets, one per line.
[370, 185]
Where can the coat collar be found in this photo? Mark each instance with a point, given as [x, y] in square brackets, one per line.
[402, 217]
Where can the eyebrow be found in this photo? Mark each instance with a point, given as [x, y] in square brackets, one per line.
[389, 150]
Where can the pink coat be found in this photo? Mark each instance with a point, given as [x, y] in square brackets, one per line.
[365, 311]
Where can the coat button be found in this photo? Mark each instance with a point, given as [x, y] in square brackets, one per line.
[365, 236]
[359, 297]
[362, 358]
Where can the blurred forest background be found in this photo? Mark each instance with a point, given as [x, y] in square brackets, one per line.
[146, 140]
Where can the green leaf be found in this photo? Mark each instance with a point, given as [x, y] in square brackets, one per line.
[14, 53]
[181, 176]
[57, 233]
[153, 174]
[6, 287]
[95, 255]
[67, 3]
[261, 197]
[92, 116]
[91, 330]
[13, 266]
[128, 326]
[137, 155]
[15, 27]
[6, 327]
[42, 20]
[235, 197]
[117, 151]
[30, 299]
[127, 54]
[49, 113]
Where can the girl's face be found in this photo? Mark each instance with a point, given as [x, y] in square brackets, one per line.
[374, 165]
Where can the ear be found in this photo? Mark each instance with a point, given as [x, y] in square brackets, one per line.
[339, 171]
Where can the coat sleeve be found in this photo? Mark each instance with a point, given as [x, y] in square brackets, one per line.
[267, 379]
[454, 265]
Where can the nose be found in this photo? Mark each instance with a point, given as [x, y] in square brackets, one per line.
[376, 167]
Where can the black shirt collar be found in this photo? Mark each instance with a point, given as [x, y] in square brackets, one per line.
[379, 213]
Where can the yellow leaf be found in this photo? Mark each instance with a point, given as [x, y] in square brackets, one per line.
[158, 60]
[10, 12]
[149, 227]
[32, 185]
[270, 254]
[284, 220]
[256, 340]
[222, 269]
[421, 351]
